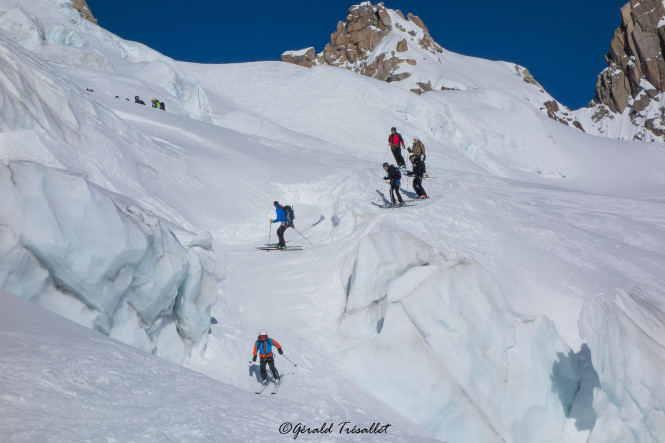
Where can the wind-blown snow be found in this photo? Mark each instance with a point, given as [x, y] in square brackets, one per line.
[477, 314]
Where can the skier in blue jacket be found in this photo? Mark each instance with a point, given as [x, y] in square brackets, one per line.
[281, 218]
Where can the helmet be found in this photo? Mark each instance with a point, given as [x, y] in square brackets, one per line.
[276, 203]
[136, 97]
[263, 332]
[386, 165]
[416, 139]
[393, 129]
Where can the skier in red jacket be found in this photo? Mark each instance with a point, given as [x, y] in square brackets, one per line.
[396, 143]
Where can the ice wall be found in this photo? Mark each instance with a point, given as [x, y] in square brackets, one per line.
[71, 248]
[438, 343]
[626, 336]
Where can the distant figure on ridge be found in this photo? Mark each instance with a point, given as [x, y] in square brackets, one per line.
[394, 176]
[162, 106]
[395, 141]
[139, 101]
[263, 346]
[285, 216]
[155, 103]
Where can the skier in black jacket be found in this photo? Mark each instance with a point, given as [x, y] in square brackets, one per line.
[395, 177]
[418, 172]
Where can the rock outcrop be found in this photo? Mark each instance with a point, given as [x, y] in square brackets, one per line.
[384, 44]
[632, 84]
[366, 26]
[82, 7]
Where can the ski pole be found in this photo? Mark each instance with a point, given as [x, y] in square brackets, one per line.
[269, 232]
[289, 360]
[302, 237]
[386, 154]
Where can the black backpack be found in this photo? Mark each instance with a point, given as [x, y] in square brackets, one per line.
[397, 173]
[288, 213]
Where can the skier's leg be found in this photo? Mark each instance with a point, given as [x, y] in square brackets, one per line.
[421, 190]
[399, 196]
[280, 235]
[417, 187]
[264, 373]
[275, 374]
[398, 157]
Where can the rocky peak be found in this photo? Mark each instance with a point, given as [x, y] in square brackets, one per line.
[384, 44]
[82, 7]
[354, 43]
[635, 76]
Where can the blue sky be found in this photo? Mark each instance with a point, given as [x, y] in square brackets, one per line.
[563, 43]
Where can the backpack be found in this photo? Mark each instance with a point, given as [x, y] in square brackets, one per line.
[397, 173]
[288, 213]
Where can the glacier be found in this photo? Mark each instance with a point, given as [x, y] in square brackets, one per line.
[522, 303]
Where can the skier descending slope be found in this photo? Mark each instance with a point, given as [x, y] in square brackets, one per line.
[394, 176]
[396, 143]
[285, 216]
[263, 346]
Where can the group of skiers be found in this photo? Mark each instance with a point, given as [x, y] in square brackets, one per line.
[155, 103]
[284, 215]
[417, 159]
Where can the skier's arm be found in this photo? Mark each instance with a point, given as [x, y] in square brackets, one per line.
[277, 345]
[280, 215]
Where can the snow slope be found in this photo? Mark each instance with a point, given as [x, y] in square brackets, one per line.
[476, 314]
[63, 383]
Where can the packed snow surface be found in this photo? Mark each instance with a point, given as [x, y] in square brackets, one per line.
[63, 383]
[523, 302]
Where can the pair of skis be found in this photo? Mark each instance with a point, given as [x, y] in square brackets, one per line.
[274, 390]
[410, 202]
[275, 248]
[391, 205]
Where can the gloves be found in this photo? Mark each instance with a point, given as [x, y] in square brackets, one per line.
[254, 358]
[409, 149]
[271, 221]
[386, 178]
[280, 351]
[293, 225]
